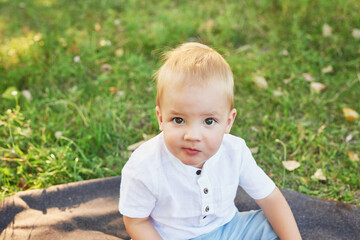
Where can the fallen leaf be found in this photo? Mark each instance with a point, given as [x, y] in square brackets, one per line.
[37, 37]
[291, 165]
[97, 27]
[119, 52]
[208, 25]
[113, 89]
[117, 22]
[106, 67]
[308, 77]
[356, 33]
[271, 175]
[328, 69]
[350, 114]
[317, 87]
[260, 82]
[348, 138]
[285, 52]
[288, 80]
[120, 93]
[254, 150]
[22, 184]
[319, 175]
[326, 30]
[277, 93]
[243, 48]
[353, 156]
[148, 136]
[135, 145]
[321, 129]
[27, 94]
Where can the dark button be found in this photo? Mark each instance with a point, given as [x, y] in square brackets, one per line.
[207, 209]
[198, 172]
[206, 190]
[204, 217]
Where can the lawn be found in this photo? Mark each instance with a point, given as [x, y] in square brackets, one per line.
[76, 86]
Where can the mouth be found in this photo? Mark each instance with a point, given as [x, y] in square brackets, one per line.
[191, 151]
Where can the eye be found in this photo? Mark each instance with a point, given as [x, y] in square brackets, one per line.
[178, 120]
[209, 121]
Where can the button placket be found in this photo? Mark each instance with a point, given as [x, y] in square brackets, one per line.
[206, 198]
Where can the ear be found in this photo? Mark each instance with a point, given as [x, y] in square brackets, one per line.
[230, 120]
[159, 117]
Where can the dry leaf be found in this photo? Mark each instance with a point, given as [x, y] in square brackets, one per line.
[260, 82]
[113, 89]
[326, 30]
[243, 48]
[291, 165]
[254, 150]
[135, 145]
[285, 52]
[97, 27]
[117, 22]
[27, 94]
[328, 69]
[22, 184]
[119, 52]
[317, 87]
[348, 138]
[148, 136]
[288, 80]
[350, 114]
[356, 33]
[271, 175]
[308, 77]
[208, 25]
[319, 175]
[321, 129]
[277, 93]
[37, 37]
[120, 93]
[106, 68]
[353, 156]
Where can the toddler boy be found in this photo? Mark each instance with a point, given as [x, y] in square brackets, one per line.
[182, 183]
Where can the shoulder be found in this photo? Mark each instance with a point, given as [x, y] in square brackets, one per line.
[145, 159]
[231, 142]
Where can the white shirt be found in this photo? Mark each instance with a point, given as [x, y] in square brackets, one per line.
[185, 202]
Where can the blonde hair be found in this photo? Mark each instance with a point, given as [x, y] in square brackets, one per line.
[194, 63]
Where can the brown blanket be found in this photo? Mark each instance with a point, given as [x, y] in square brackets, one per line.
[89, 210]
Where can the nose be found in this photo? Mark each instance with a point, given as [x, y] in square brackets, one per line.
[192, 133]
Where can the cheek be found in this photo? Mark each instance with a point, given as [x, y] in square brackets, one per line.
[214, 141]
[171, 136]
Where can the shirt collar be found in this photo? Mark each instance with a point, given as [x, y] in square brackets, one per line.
[209, 164]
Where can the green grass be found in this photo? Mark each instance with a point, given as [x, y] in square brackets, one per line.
[74, 128]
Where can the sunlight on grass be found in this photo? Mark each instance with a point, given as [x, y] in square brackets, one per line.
[83, 70]
[11, 50]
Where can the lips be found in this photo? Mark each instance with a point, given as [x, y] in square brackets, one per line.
[191, 151]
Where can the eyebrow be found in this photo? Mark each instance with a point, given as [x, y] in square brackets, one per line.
[210, 114]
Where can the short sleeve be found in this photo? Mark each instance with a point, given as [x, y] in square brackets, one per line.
[136, 199]
[252, 178]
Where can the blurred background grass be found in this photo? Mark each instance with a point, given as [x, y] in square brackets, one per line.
[75, 79]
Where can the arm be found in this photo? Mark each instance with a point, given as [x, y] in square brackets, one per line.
[140, 228]
[279, 214]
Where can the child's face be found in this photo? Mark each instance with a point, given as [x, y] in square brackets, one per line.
[194, 119]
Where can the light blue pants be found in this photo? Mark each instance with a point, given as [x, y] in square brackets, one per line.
[244, 225]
